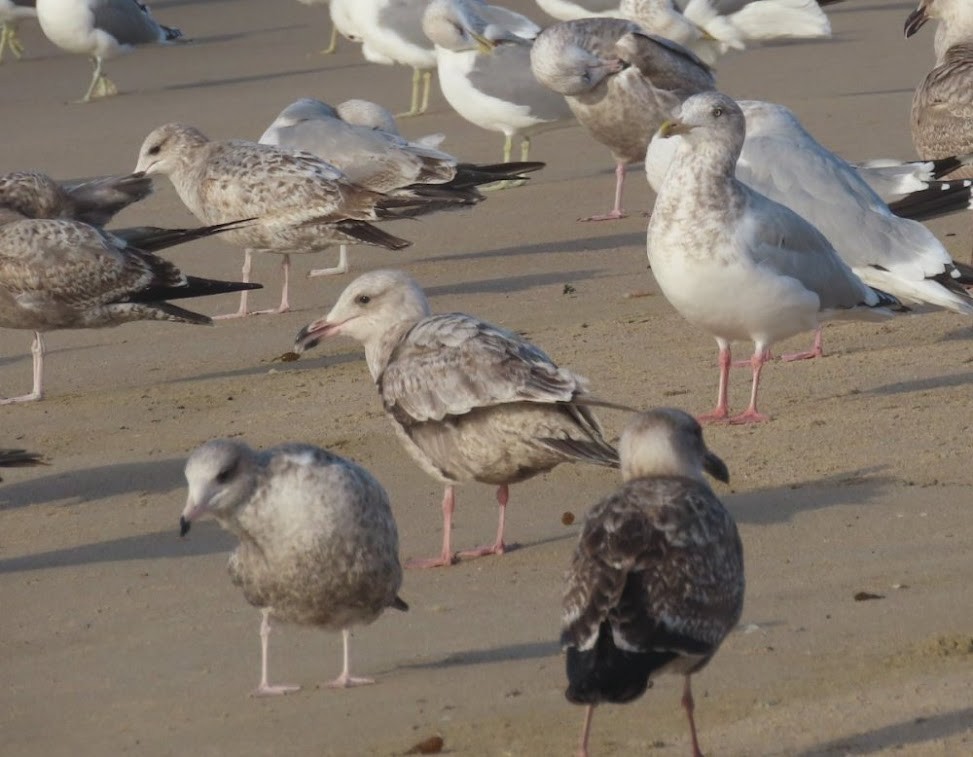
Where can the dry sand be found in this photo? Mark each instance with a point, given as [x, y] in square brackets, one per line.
[116, 637]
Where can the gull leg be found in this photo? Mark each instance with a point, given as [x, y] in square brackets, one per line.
[342, 266]
[589, 711]
[265, 689]
[414, 107]
[690, 706]
[508, 147]
[616, 212]
[37, 352]
[498, 547]
[285, 304]
[333, 43]
[346, 680]
[245, 278]
[446, 558]
[815, 351]
[9, 39]
[722, 409]
[750, 415]
[426, 84]
[101, 85]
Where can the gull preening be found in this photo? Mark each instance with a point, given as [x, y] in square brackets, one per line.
[656, 580]
[299, 203]
[57, 274]
[483, 60]
[12, 12]
[101, 29]
[469, 401]
[734, 262]
[33, 194]
[318, 543]
[619, 82]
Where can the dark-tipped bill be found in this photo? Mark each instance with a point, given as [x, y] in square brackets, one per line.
[312, 334]
[184, 525]
[916, 20]
[716, 467]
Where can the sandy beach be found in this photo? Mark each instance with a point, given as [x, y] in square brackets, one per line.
[117, 637]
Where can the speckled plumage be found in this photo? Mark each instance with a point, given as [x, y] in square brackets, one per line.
[656, 581]
[469, 400]
[32, 194]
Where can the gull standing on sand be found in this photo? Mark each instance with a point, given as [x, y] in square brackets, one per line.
[57, 274]
[483, 59]
[12, 12]
[620, 83]
[318, 543]
[381, 160]
[736, 263]
[656, 581]
[101, 29]
[299, 203]
[782, 161]
[333, 39]
[469, 401]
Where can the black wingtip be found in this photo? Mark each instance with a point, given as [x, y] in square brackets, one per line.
[399, 604]
[184, 526]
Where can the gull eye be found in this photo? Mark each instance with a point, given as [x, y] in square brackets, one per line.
[363, 299]
[155, 149]
[224, 475]
[717, 111]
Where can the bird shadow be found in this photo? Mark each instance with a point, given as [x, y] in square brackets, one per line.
[865, 93]
[254, 78]
[528, 651]
[924, 385]
[897, 735]
[511, 283]
[608, 242]
[276, 364]
[207, 539]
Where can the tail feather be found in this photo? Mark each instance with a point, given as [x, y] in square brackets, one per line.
[369, 234]
[166, 311]
[194, 287]
[153, 238]
[472, 175]
[938, 199]
[597, 452]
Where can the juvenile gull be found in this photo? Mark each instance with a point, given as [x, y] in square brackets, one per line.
[469, 401]
[483, 59]
[782, 161]
[57, 274]
[382, 161]
[301, 203]
[333, 39]
[736, 263]
[318, 543]
[33, 194]
[12, 12]
[101, 29]
[656, 581]
[620, 83]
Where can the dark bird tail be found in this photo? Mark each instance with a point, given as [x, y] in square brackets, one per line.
[97, 200]
[152, 238]
[365, 232]
[939, 198]
[171, 32]
[472, 175]
[194, 287]
[399, 604]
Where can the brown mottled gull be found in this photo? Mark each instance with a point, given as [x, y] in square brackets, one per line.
[300, 203]
[318, 543]
[469, 401]
[57, 274]
[734, 262]
[620, 82]
[656, 581]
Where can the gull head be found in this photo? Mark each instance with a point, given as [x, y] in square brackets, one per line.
[305, 109]
[370, 306]
[453, 25]
[169, 148]
[222, 476]
[705, 118]
[366, 113]
[562, 64]
[667, 442]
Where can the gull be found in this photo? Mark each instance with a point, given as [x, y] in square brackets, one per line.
[101, 29]
[57, 274]
[736, 263]
[318, 543]
[782, 161]
[33, 194]
[380, 160]
[470, 401]
[333, 40]
[300, 203]
[12, 12]
[620, 83]
[483, 60]
[656, 580]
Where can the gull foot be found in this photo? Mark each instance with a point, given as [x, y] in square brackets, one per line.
[273, 691]
[443, 561]
[347, 682]
[612, 215]
[748, 416]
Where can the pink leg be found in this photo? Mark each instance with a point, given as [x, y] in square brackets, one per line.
[586, 731]
[37, 353]
[690, 706]
[722, 410]
[285, 306]
[446, 558]
[245, 278]
[342, 266]
[498, 547]
[346, 680]
[750, 415]
[616, 212]
[815, 351]
[265, 689]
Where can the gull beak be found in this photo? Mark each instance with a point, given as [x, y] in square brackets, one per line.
[716, 467]
[916, 20]
[674, 128]
[190, 512]
[483, 44]
[312, 334]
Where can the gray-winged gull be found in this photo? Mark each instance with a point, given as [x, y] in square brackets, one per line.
[484, 71]
[382, 161]
[57, 274]
[12, 12]
[333, 38]
[300, 203]
[620, 83]
[656, 580]
[782, 161]
[101, 29]
[469, 401]
[735, 263]
[318, 543]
